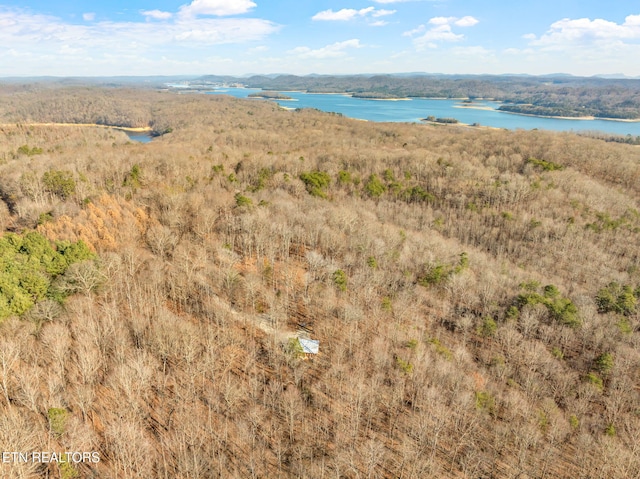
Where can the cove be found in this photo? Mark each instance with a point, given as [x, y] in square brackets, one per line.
[413, 110]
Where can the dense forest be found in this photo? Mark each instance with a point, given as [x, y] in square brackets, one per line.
[42, 103]
[536, 95]
[474, 292]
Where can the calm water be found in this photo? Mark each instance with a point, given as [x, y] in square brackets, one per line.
[139, 137]
[417, 108]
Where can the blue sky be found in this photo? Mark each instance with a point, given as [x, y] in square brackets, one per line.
[165, 37]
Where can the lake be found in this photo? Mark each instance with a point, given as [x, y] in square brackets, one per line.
[414, 109]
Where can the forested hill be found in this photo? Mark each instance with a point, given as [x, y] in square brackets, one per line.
[48, 103]
[548, 96]
[474, 292]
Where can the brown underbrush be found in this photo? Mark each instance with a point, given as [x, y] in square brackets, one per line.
[474, 293]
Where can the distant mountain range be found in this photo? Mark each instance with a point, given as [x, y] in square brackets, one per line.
[130, 79]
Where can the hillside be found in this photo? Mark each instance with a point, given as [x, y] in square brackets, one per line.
[474, 293]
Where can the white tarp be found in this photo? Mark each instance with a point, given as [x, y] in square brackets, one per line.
[309, 346]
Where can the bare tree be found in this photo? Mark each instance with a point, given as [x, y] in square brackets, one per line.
[9, 356]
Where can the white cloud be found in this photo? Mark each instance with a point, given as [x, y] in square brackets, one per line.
[334, 50]
[399, 1]
[218, 8]
[584, 46]
[382, 13]
[88, 17]
[157, 14]
[586, 31]
[415, 31]
[441, 31]
[441, 20]
[41, 33]
[341, 15]
[217, 32]
[347, 14]
[467, 21]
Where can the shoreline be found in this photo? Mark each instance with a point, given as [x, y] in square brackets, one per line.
[271, 98]
[460, 124]
[488, 108]
[133, 129]
[381, 99]
[440, 98]
[586, 118]
[473, 107]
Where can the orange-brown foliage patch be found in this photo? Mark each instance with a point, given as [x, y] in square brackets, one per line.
[104, 225]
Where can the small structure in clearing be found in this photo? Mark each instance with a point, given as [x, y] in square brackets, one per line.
[309, 346]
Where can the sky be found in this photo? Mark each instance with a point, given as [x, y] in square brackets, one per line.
[241, 37]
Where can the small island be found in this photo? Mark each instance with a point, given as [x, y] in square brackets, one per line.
[374, 95]
[270, 95]
[446, 121]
